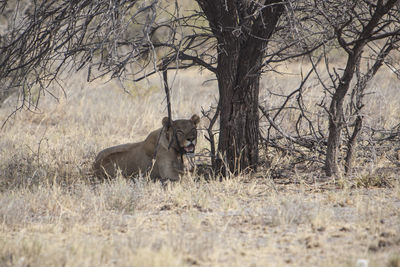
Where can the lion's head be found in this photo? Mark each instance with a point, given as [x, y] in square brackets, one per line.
[184, 131]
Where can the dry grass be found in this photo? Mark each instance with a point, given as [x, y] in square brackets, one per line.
[52, 214]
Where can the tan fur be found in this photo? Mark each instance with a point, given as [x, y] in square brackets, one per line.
[134, 158]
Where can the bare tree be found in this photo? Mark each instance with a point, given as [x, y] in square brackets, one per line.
[357, 26]
[55, 35]
[366, 34]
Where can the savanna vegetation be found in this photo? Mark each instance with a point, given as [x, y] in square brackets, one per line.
[298, 154]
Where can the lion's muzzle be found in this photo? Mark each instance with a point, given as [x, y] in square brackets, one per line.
[189, 146]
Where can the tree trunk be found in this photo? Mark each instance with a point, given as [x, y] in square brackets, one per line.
[336, 113]
[242, 35]
[351, 144]
[239, 127]
[241, 47]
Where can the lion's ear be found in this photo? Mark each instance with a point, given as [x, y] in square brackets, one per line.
[195, 119]
[165, 122]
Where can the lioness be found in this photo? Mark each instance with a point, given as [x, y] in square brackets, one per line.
[166, 145]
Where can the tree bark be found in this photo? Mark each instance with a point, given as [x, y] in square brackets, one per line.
[242, 40]
[336, 114]
[351, 144]
[238, 140]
